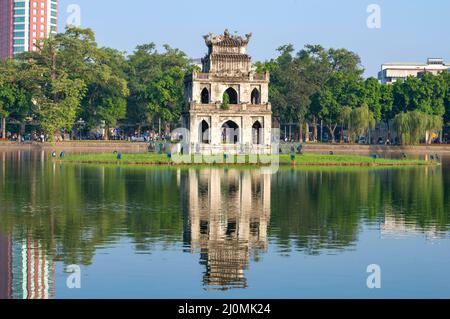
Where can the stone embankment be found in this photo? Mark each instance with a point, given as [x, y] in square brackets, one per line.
[130, 147]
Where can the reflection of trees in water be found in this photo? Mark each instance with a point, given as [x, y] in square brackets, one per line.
[320, 209]
[323, 209]
[73, 210]
[419, 198]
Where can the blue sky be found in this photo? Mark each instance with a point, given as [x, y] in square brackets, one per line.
[411, 30]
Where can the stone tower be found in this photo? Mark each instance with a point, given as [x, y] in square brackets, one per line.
[227, 104]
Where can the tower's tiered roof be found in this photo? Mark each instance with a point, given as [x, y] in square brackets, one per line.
[227, 54]
[227, 40]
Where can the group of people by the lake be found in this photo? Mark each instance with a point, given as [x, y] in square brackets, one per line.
[147, 136]
[28, 137]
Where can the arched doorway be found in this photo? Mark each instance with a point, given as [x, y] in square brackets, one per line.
[255, 98]
[232, 95]
[257, 133]
[230, 133]
[205, 96]
[205, 134]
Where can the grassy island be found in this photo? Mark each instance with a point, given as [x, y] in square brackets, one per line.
[220, 160]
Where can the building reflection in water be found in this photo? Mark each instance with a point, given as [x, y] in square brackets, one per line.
[397, 227]
[26, 272]
[229, 213]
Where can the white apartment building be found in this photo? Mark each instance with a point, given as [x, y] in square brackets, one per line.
[392, 72]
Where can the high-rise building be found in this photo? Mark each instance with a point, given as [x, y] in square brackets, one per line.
[24, 22]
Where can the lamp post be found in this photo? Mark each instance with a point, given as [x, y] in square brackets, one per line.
[81, 123]
[103, 127]
[321, 131]
[159, 127]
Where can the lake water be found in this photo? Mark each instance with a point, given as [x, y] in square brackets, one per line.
[221, 233]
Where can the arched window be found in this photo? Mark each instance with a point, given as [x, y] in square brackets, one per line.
[257, 133]
[233, 96]
[256, 98]
[230, 133]
[205, 136]
[205, 96]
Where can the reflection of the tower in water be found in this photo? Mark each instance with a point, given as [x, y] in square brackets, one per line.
[26, 272]
[229, 212]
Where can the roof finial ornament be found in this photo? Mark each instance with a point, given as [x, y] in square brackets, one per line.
[226, 39]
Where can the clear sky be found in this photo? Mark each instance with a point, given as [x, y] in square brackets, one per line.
[411, 30]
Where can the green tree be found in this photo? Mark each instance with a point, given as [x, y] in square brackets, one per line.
[361, 120]
[413, 126]
[373, 97]
[295, 79]
[7, 100]
[278, 90]
[420, 104]
[329, 110]
[315, 72]
[107, 90]
[342, 90]
[446, 77]
[156, 83]
[425, 94]
[15, 99]
[387, 104]
[58, 69]
[345, 118]
[225, 101]
[58, 109]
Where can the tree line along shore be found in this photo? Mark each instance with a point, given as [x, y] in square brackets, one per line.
[71, 85]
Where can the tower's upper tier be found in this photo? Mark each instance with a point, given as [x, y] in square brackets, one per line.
[227, 55]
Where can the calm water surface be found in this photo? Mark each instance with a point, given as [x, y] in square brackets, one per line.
[217, 233]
